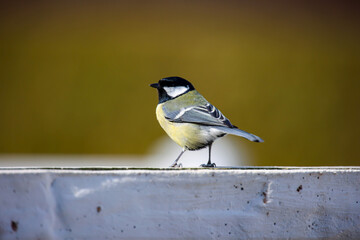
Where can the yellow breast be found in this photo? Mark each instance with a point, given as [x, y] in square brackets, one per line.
[186, 135]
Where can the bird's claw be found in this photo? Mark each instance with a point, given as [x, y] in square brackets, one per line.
[208, 165]
[175, 165]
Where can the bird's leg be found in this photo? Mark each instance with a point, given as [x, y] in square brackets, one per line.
[209, 164]
[177, 159]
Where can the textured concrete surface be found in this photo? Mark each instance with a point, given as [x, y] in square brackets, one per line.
[290, 203]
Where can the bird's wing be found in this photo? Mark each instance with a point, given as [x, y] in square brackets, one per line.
[205, 115]
[210, 116]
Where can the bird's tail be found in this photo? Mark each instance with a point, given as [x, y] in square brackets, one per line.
[241, 133]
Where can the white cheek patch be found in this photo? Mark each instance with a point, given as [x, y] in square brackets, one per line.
[175, 91]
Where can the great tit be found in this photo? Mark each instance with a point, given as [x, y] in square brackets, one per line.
[190, 120]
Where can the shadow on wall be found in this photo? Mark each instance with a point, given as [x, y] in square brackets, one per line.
[225, 152]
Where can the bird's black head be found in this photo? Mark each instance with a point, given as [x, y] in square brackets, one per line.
[172, 87]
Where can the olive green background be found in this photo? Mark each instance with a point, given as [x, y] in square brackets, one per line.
[74, 76]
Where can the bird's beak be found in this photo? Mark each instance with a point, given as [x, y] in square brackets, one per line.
[154, 85]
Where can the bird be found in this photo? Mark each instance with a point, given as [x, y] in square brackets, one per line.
[189, 119]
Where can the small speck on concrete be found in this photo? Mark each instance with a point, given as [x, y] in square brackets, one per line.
[98, 209]
[265, 200]
[14, 226]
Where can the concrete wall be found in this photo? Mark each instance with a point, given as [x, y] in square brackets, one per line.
[296, 203]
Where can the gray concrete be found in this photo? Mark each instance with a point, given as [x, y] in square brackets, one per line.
[289, 203]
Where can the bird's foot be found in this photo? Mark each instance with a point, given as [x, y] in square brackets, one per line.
[175, 165]
[208, 165]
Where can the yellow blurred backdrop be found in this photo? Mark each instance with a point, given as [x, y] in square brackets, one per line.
[75, 75]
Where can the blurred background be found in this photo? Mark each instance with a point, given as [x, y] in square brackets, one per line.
[75, 75]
